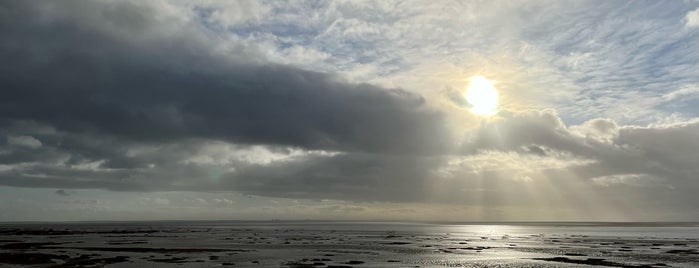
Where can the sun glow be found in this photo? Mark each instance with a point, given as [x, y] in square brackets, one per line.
[482, 96]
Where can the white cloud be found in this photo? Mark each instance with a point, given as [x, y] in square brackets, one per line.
[223, 153]
[91, 165]
[686, 91]
[523, 164]
[692, 18]
[636, 180]
[230, 13]
[223, 201]
[26, 141]
[600, 129]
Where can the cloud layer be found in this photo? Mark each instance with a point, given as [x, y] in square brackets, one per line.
[79, 74]
[175, 96]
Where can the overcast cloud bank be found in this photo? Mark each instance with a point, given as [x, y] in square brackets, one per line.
[150, 97]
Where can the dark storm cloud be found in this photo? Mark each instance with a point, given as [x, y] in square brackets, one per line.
[111, 71]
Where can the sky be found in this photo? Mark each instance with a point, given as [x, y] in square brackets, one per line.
[349, 110]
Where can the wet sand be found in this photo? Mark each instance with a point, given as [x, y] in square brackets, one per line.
[333, 244]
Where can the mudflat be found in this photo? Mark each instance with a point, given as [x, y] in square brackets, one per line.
[347, 244]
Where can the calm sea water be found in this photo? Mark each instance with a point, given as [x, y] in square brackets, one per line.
[630, 229]
[349, 244]
[660, 230]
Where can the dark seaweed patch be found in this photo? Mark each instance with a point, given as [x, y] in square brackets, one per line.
[593, 261]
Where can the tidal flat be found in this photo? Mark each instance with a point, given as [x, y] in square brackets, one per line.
[347, 244]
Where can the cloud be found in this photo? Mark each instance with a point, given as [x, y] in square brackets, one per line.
[585, 60]
[157, 201]
[227, 14]
[531, 147]
[688, 91]
[638, 180]
[131, 88]
[26, 141]
[598, 129]
[692, 18]
[62, 192]
[158, 97]
[195, 116]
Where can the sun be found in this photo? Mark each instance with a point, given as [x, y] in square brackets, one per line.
[482, 96]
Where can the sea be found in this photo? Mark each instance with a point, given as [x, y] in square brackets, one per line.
[342, 244]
